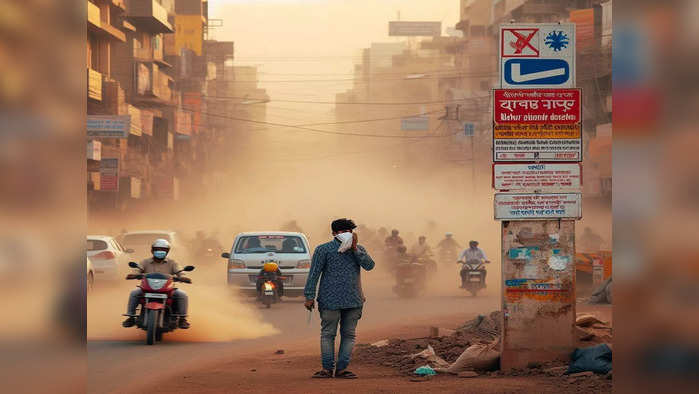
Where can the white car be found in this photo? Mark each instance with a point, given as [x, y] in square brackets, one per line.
[250, 250]
[141, 241]
[109, 258]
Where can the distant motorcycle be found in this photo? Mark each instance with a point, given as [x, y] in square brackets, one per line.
[472, 276]
[156, 315]
[268, 293]
[410, 279]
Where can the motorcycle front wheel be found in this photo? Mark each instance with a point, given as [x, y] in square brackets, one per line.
[152, 327]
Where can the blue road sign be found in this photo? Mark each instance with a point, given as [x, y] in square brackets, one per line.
[554, 72]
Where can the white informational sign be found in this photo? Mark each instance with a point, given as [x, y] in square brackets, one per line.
[516, 149]
[415, 123]
[108, 126]
[94, 150]
[537, 55]
[427, 29]
[523, 206]
[537, 176]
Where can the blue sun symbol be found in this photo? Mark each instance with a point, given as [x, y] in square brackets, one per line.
[556, 40]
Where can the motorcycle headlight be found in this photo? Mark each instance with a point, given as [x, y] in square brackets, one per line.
[156, 284]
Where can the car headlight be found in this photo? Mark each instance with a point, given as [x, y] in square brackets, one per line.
[156, 284]
[233, 264]
[303, 264]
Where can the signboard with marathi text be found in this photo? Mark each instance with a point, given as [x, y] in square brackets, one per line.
[537, 176]
[522, 206]
[108, 126]
[537, 124]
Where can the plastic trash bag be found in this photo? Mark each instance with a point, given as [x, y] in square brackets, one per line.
[425, 370]
[597, 359]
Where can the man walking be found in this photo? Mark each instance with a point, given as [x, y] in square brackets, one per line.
[340, 298]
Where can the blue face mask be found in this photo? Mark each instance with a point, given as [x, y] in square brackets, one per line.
[159, 254]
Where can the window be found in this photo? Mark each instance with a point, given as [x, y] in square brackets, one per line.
[96, 244]
[270, 243]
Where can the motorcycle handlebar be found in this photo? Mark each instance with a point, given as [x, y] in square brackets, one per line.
[183, 280]
[134, 276]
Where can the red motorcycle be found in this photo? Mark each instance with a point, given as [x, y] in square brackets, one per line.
[156, 315]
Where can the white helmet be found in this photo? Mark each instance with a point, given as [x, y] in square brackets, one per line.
[160, 243]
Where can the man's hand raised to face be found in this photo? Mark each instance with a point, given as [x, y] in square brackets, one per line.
[354, 241]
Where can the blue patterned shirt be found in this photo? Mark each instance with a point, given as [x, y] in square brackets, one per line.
[340, 284]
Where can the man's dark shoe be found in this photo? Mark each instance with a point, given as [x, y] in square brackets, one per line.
[129, 322]
[183, 323]
[323, 374]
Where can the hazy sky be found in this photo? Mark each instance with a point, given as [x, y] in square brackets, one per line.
[314, 36]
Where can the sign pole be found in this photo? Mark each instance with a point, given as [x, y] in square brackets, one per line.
[537, 149]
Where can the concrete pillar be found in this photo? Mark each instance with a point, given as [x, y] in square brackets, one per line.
[538, 291]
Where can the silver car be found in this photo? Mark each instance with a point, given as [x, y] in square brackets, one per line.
[251, 250]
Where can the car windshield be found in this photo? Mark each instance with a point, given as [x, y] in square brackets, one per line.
[270, 243]
[143, 239]
[96, 244]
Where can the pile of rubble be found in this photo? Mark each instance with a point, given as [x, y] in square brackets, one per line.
[472, 350]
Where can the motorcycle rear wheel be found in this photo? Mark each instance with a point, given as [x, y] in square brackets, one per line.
[152, 327]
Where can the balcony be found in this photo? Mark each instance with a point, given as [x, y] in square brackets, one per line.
[148, 15]
[152, 85]
[94, 85]
[543, 8]
[93, 14]
[150, 55]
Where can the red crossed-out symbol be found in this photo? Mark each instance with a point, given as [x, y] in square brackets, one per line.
[523, 41]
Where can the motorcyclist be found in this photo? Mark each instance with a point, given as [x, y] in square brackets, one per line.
[394, 240]
[448, 243]
[472, 253]
[270, 271]
[416, 268]
[421, 248]
[160, 263]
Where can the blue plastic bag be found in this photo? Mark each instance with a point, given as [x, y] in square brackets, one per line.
[597, 359]
[425, 370]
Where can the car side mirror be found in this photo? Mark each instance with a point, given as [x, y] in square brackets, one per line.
[226, 255]
[188, 268]
[133, 264]
[129, 251]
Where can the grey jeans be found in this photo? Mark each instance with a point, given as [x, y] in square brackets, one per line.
[179, 297]
[348, 319]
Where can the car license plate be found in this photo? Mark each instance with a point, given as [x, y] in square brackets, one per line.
[269, 292]
[474, 279]
[156, 295]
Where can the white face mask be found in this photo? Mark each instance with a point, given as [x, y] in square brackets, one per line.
[345, 241]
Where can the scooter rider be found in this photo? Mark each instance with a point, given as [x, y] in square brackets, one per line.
[270, 271]
[159, 263]
[473, 252]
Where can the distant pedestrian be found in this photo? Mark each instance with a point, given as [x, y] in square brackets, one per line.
[338, 265]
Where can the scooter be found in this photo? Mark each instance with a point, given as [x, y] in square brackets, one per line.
[268, 293]
[156, 315]
[472, 276]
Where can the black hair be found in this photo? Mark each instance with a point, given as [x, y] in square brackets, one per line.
[342, 225]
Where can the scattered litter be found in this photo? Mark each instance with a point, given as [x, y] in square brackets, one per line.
[432, 357]
[253, 370]
[479, 356]
[280, 351]
[587, 320]
[597, 359]
[381, 343]
[425, 370]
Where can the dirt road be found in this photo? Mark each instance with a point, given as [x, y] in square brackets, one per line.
[227, 327]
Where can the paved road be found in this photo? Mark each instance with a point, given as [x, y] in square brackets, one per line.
[120, 359]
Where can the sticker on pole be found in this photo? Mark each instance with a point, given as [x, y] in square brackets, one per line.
[537, 55]
[523, 206]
